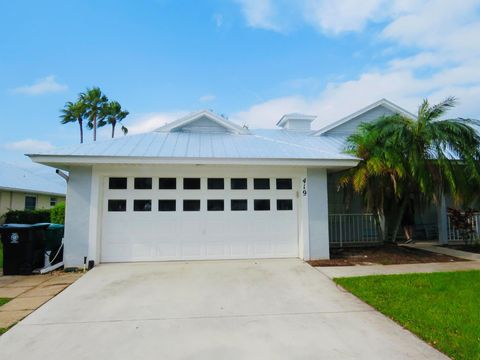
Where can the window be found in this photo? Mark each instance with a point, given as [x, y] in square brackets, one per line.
[53, 201]
[117, 183]
[143, 183]
[261, 205]
[30, 202]
[284, 204]
[142, 205]
[238, 205]
[117, 205]
[167, 183]
[238, 184]
[215, 184]
[215, 205]
[261, 184]
[191, 183]
[284, 184]
[191, 205]
[167, 205]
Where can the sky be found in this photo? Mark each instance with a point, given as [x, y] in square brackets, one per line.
[250, 60]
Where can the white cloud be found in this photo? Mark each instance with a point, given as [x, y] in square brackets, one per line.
[260, 14]
[218, 19]
[149, 122]
[207, 98]
[29, 146]
[42, 86]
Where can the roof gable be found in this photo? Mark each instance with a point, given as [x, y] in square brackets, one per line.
[203, 122]
[390, 108]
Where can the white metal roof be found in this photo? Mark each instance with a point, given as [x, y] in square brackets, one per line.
[13, 178]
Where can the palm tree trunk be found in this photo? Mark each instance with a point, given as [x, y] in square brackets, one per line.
[95, 128]
[81, 130]
[113, 130]
[398, 221]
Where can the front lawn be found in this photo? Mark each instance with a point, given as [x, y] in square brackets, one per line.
[441, 308]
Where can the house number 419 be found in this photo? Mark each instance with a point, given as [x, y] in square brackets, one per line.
[304, 186]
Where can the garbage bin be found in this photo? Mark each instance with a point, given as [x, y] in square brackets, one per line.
[23, 247]
[53, 242]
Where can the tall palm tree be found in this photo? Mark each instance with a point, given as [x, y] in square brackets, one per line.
[74, 112]
[418, 158]
[114, 115]
[95, 102]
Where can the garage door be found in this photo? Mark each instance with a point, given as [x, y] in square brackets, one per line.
[184, 218]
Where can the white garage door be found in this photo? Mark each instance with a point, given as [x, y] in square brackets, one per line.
[183, 218]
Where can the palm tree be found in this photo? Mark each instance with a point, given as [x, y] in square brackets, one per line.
[95, 102]
[74, 112]
[415, 159]
[114, 115]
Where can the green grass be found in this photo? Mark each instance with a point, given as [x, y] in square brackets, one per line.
[441, 308]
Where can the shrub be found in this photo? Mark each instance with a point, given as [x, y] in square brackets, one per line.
[57, 214]
[27, 216]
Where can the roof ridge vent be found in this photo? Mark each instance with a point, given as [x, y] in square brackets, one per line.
[296, 122]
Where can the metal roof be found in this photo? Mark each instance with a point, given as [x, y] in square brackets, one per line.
[258, 144]
[13, 178]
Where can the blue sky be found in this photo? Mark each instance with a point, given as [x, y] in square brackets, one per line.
[252, 60]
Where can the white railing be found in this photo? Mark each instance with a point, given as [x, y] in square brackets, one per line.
[352, 230]
[454, 235]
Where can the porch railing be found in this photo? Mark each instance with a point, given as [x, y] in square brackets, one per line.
[454, 235]
[352, 230]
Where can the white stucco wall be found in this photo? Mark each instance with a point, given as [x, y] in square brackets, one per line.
[77, 216]
[318, 213]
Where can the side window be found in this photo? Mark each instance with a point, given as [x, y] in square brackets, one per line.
[30, 202]
[117, 183]
[53, 201]
[284, 184]
[215, 184]
[117, 205]
[284, 204]
[143, 183]
[142, 205]
[238, 184]
[238, 205]
[167, 183]
[191, 205]
[261, 205]
[261, 184]
[167, 205]
[191, 183]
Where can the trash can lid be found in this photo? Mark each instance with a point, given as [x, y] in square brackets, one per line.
[40, 225]
[56, 226]
[15, 226]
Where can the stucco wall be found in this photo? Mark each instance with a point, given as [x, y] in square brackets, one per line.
[77, 216]
[15, 200]
[318, 213]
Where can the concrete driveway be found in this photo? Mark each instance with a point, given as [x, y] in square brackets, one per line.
[268, 309]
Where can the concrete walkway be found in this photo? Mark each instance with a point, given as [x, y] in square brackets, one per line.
[269, 309]
[364, 270]
[444, 250]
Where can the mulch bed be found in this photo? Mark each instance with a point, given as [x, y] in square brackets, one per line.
[384, 255]
[470, 248]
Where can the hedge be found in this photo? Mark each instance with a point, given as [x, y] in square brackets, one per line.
[27, 216]
[57, 214]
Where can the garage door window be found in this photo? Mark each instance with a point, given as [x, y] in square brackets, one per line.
[191, 205]
[238, 184]
[167, 205]
[284, 204]
[284, 184]
[215, 184]
[117, 183]
[261, 205]
[261, 184]
[167, 183]
[143, 183]
[191, 184]
[142, 205]
[117, 205]
[238, 205]
[215, 205]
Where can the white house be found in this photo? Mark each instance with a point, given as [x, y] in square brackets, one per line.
[203, 187]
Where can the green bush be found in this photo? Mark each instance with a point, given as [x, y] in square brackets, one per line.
[27, 216]
[57, 214]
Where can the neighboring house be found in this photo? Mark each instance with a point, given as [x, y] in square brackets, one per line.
[203, 187]
[21, 189]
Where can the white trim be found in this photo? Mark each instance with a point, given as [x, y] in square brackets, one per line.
[237, 129]
[382, 102]
[64, 161]
[32, 191]
[288, 117]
